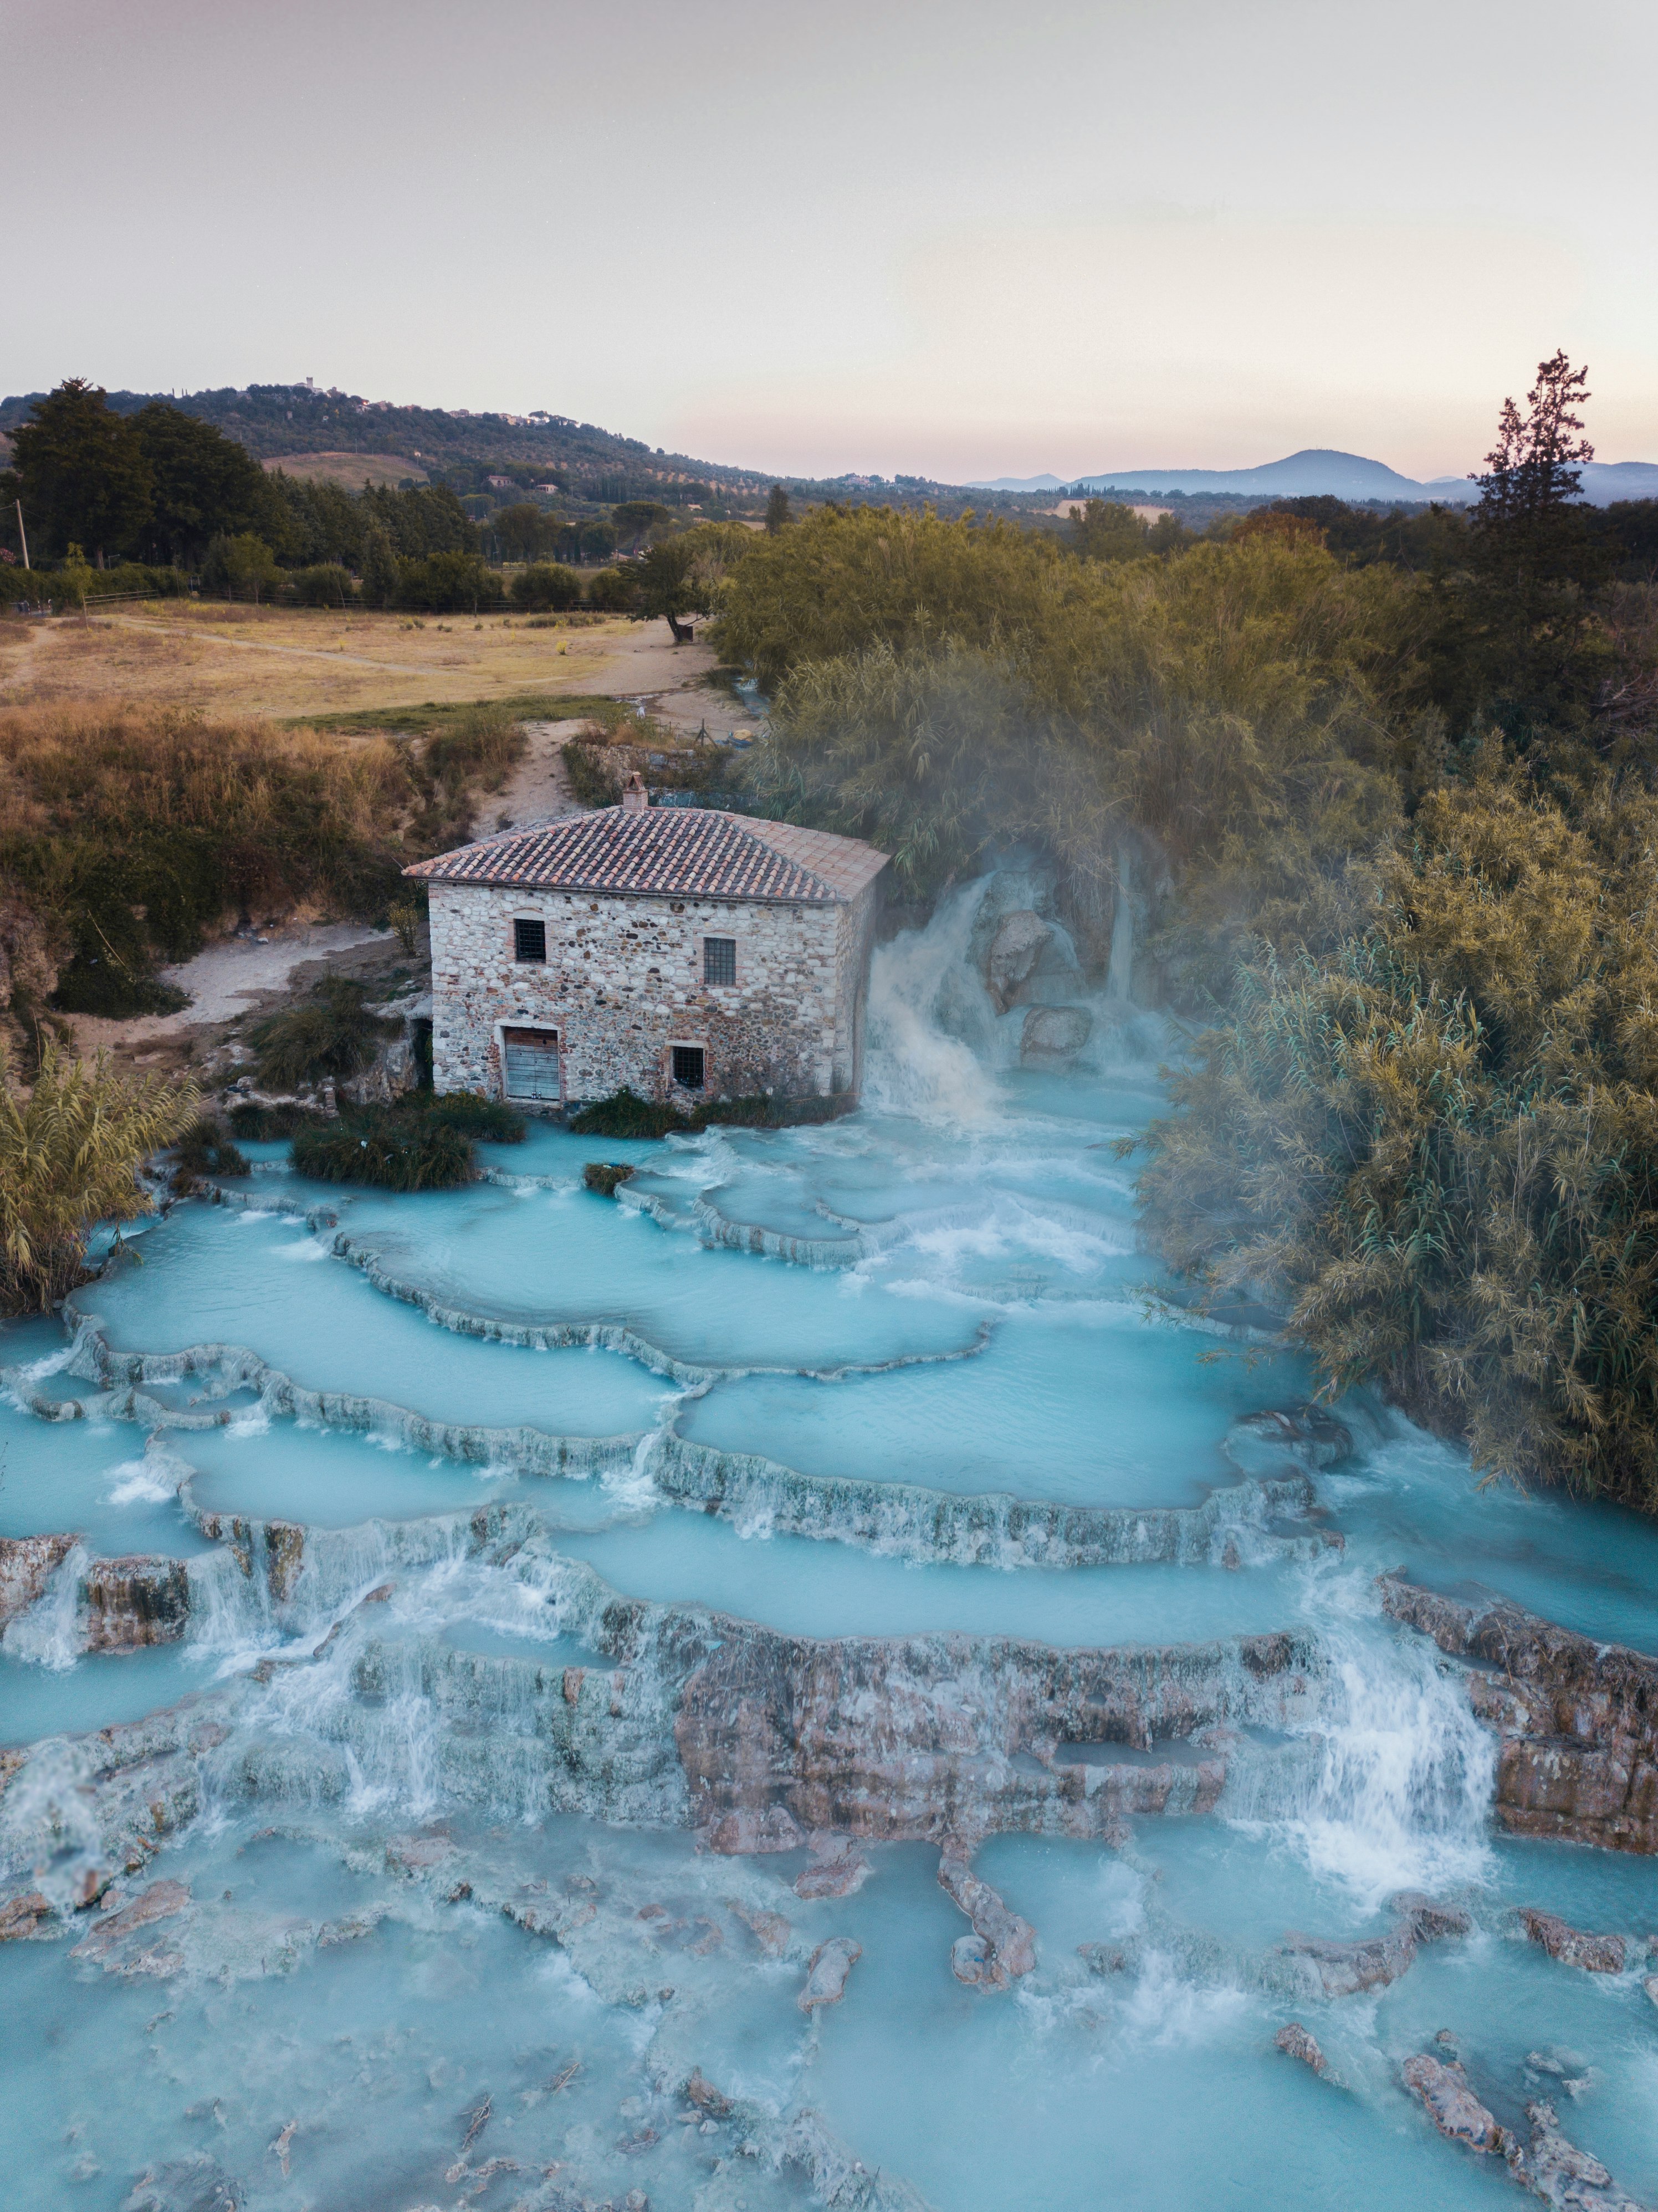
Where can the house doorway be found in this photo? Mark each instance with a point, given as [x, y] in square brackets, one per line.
[529, 1062]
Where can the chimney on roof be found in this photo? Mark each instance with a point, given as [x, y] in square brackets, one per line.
[634, 797]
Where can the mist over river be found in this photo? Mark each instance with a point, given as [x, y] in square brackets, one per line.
[814, 1681]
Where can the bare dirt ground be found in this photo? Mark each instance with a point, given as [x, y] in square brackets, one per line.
[237, 976]
[293, 661]
[538, 789]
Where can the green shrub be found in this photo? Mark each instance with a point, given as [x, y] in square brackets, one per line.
[485, 1119]
[547, 588]
[604, 1178]
[592, 778]
[204, 1150]
[268, 1125]
[626, 1114]
[70, 1149]
[335, 1035]
[1434, 1147]
[329, 584]
[449, 583]
[387, 1147]
[612, 589]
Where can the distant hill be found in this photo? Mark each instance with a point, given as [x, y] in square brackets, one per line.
[288, 420]
[1318, 469]
[1604, 483]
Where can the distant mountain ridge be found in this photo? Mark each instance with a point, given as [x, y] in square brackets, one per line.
[1322, 470]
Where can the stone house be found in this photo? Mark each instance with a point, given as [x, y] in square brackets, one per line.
[688, 953]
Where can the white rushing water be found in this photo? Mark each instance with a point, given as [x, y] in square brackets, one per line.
[468, 1486]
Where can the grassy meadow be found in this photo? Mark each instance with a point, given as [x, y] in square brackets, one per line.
[229, 659]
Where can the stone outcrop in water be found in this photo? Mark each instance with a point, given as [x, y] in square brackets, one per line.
[1053, 1036]
[1429, 1921]
[1576, 1721]
[1344, 1969]
[26, 1566]
[1294, 2041]
[1002, 1945]
[1011, 956]
[826, 1976]
[836, 1870]
[1546, 2164]
[1595, 1954]
[1441, 2087]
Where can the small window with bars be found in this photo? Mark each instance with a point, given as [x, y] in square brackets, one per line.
[720, 960]
[687, 1066]
[529, 940]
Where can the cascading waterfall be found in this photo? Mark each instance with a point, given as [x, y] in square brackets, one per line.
[601, 1616]
[917, 980]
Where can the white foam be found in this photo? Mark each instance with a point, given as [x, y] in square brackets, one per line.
[142, 1481]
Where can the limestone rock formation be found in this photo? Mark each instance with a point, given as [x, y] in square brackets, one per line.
[1428, 1921]
[1576, 1721]
[826, 1978]
[1293, 2039]
[1595, 1954]
[1451, 2105]
[1011, 961]
[133, 1602]
[26, 1566]
[1344, 1969]
[914, 1738]
[1054, 1035]
[1002, 1945]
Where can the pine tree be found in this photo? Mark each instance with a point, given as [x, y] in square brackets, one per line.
[81, 474]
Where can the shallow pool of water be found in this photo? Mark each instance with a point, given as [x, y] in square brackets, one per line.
[442, 1928]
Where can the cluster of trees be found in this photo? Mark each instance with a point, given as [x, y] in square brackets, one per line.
[1404, 800]
[160, 488]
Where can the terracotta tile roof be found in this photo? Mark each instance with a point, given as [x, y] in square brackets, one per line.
[690, 851]
[847, 863]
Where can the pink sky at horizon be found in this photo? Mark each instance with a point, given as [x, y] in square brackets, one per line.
[900, 239]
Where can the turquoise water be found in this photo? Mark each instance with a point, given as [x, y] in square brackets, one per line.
[505, 2007]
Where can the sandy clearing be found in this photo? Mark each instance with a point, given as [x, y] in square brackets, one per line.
[538, 789]
[226, 980]
[322, 662]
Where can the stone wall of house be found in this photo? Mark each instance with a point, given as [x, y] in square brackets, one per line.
[853, 945]
[622, 984]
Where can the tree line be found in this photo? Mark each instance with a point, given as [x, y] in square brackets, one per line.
[159, 489]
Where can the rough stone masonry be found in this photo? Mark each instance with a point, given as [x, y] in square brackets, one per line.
[682, 951]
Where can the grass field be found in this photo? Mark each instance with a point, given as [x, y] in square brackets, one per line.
[350, 471]
[317, 664]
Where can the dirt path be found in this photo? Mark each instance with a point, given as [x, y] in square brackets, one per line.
[224, 981]
[538, 789]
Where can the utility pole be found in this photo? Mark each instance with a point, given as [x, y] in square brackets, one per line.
[20, 533]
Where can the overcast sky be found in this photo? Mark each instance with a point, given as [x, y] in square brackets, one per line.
[951, 241]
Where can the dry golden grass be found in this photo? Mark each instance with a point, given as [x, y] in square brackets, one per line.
[288, 661]
[350, 471]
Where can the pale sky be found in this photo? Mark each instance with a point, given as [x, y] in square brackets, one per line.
[947, 241]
